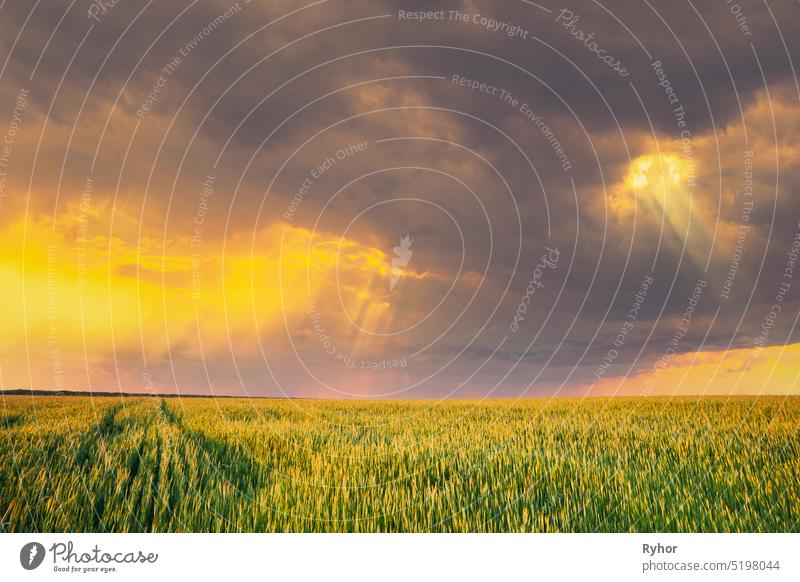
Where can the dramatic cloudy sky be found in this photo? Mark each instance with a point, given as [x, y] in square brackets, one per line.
[340, 199]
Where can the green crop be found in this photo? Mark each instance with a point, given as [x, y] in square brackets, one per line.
[203, 465]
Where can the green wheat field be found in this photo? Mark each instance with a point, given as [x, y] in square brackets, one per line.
[214, 465]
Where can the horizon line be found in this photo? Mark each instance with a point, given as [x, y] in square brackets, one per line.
[121, 394]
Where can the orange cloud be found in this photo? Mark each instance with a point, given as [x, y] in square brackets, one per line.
[74, 298]
[769, 370]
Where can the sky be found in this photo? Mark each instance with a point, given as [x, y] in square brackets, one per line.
[396, 199]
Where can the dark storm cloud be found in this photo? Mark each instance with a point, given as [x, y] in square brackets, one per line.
[698, 75]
